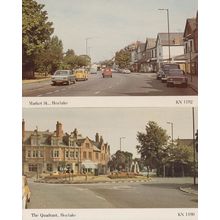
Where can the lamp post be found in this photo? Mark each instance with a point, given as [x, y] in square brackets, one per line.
[88, 38]
[171, 124]
[194, 149]
[168, 27]
[120, 141]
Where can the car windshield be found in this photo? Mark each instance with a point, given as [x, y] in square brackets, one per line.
[79, 71]
[170, 67]
[61, 73]
[175, 72]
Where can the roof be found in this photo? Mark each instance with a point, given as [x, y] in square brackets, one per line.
[191, 25]
[141, 46]
[176, 39]
[150, 43]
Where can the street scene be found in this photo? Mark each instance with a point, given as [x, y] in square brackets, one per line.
[135, 84]
[104, 48]
[141, 159]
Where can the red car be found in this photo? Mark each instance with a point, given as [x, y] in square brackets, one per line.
[107, 73]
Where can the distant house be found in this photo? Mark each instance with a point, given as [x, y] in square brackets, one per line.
[176, 46]
[48, 152]
[134, 57]
[150, 55]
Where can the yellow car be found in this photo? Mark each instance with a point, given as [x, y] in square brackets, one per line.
[81, 74]
[26, 193]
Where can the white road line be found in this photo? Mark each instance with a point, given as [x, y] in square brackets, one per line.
[48, 93]
[63, 89]
[100, 197]
[110, 87]
[56, 91]
[97, 92]
[39, 95]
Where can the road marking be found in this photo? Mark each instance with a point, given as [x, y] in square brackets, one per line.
[110, 87]
[56, 90]
[63, 89]
[99, 197]
[39, 95]
[48, 93]
[97, 92]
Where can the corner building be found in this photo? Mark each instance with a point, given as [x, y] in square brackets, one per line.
[49, 152]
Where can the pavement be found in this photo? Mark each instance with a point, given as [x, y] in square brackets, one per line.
[193, 82]
[190, 189]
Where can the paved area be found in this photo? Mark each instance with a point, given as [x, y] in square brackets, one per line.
[158, 193]
[134, 84]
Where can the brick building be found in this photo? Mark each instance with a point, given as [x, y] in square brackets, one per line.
[48, 152]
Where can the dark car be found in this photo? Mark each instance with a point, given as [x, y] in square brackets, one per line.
[107, 72]
[166, 67]
[176, 77]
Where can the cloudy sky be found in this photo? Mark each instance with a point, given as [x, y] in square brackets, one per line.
[113, 24]
[112, 123]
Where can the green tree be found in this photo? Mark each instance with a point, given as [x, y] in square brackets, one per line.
[123, 58]
[36, 30]
[153, 145]
[121, 160]
[69, 60]
[50, 58]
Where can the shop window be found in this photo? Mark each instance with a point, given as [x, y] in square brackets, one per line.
[49, 167]
[32, 167]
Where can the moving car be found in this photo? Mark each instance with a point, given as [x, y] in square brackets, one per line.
[63, 77]
[93, 71]
[107, 72]
[81, 74]
[26, 193]
[176, 77]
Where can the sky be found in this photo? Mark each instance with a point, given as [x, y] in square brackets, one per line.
[113, 24]
[112, 123]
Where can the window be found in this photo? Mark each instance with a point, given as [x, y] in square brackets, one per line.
[97, 156]
[29, 154]
[49, 167]
[37, 155]
[32, 167]
[67, 153]
[77, 154]
[55, 153]
[34, 153]
[87, 145]
[90, 155]
[85, 155]
[41, 153]
[71, 153]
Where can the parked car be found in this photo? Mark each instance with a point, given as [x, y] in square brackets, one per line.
[63, 77]
[81, 74]
[126, 71]
[26, 193]
[176, 77]
[159, 73]
[166, 67]
[107, 72]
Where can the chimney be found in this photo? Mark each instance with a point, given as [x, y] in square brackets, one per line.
[59, 130]
[23, 130]
[75, 132]
[101, 140]
[97, 137]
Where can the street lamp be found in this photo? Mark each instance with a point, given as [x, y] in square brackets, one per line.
[168, 27]
[120, 141]
[88, 38]
[171, 124]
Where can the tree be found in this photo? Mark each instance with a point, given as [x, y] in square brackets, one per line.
[153, 145]
[123, 58]
[121, 160]
[50, 58]
[36, 30]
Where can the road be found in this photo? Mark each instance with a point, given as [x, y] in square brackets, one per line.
[154, 194]
[134, 84]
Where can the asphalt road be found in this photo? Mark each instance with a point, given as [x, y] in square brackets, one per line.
[134, 84]
[154, 194]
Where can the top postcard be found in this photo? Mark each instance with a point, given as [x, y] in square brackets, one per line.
[109, 48]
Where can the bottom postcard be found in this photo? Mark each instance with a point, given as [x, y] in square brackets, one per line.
[112, 163]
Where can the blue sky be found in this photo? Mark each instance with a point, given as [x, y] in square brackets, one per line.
[114, 24]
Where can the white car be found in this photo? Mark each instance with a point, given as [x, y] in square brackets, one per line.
[63, 77]
[126, 71]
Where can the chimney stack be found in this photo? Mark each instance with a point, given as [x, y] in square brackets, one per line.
[97, 137]
[59, 130]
